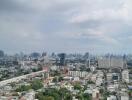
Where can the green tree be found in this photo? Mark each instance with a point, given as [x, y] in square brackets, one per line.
[37, 84]
[63, 92]
[101, 91]
[52, 92]
[48, 98]
[77, 86]
[79, 96]
[56, 73]
[39, 96]
[90, 82]
[68, 96]
[34, 70]
[60, 79]
[23, 88]
[87, 96]
[56, 96]
[85, 87]
[55, 79]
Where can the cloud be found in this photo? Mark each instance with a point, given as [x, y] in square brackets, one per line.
[68, 25]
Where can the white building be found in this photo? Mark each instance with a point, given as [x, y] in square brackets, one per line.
[100, 73]
[99, 81]
[112, 87]
[111, 62]
[78, 73]
[94, 77]
[117, 62]
[95, 94]
[92, 68]
[112, 97]
[76, 78]
[104, 63]
[109, 76]
[29, 96]
[125, 76]
[125, 97]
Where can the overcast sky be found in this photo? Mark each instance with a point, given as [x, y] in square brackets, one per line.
[99, 26]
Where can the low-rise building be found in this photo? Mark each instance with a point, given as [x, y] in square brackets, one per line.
[78, 73]
[111, 97]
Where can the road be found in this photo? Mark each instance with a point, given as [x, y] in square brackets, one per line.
[17, 79]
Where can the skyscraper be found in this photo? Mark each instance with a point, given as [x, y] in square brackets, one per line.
[62, 59]
[111, 62]
[1, 53]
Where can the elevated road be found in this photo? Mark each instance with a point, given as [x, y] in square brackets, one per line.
[17, 79]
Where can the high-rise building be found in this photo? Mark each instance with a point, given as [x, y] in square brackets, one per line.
[116, 62]
[86, 56]
[44, 54]
[1, 53]
[115, 77]
[111, 62]
[35, 55]
[125, 76]
[62, 59]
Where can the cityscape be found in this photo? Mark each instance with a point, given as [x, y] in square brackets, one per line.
[65, 49]
[43, 76]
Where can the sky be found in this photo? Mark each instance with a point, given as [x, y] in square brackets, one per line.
[99, 26]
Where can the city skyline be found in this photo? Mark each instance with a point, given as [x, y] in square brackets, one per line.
[96, 26]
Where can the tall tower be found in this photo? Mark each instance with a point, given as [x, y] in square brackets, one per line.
[62, 59]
